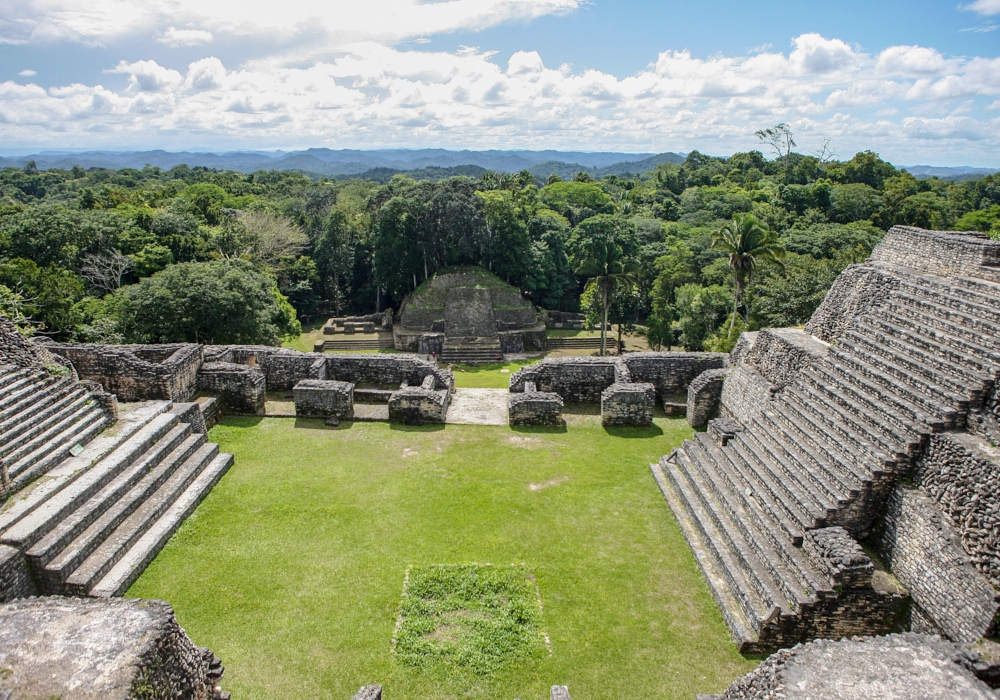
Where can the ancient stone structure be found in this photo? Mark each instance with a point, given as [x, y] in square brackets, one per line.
[80, 649]
[324, 398]
[628, 386]
[467, 315]
[896, 667]
[533, 407]
[704, 395]
[242, 388]
[893, 374]
[416, 405]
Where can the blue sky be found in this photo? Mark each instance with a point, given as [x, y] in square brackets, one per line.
[917, 81]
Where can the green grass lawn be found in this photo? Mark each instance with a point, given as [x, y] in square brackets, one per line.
[292, 569]
[489, 376]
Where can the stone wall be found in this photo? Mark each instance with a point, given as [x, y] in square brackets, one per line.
[321, 398]
[241, 387]
[137, 372]
[779, 354]
[96, 648]
[418, 405]
[965, 253]
[745, 393]
[962, 473]
[704, 397]
[534, 408]
[985, 421]
[925, 553]
[630, 404]
[671, 372]
[14, 347]
[15, 578]
[856, 291]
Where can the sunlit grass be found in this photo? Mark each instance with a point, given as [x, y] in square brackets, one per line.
[292, 569]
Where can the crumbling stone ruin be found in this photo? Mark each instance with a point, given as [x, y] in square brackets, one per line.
[627, 387]
[86, 649]
[467, 315]
[875, 425]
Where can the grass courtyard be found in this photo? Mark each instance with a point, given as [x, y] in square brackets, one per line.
[292, 570]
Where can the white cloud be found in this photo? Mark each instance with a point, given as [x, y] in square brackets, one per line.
[27, 73]
[983, 7]
[328, 22]
[371, 95]
[174, 37]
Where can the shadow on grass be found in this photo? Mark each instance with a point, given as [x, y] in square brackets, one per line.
[425, 428]
[650, 432]
[540, 429]
[241, 421]
[320, 424]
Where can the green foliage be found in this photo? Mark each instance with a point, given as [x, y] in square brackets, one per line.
[215, 302]
[471, 616]
[983, 220]
[576, 200]
[48, 294]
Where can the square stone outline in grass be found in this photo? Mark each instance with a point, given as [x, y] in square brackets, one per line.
[477, 617]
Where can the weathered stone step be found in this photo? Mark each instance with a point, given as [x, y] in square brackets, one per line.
[68, 468]
[938, 344]
[900, 444]
[938, 372]
[965, 301]
[38, 424]
[923, 319]
[754, 607]
[62, 421]
[36, 524]
[850, 364]
[12, 373]
[846, 433]
[24, 392]
[892, 375]
[724, 596]
[135, 561]
[946, 313]
[44, 405]
[804, 426]
[52, 451]
[760, 543]
[117, 543]
[115, 494]
[822, 500]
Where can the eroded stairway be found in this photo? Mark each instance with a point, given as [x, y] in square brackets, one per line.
[88, 522]
[822, 453]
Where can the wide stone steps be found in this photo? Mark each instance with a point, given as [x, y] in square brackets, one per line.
[36, 424]
[93, 525]
[815, 491]
[945, 313]
[938, 344]
[830, 421]
[470, 355]
[579, 343]
[966, 301]
[44, 393]
[23, 392]
[50, 449]
[929, 326]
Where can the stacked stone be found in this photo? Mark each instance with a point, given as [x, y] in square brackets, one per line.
[14, 348]
[836, 554]
[722, 430]
[533, 407]
[416, 405]
[241, 387]
[704, 395]
[324, 398]
[624, 404]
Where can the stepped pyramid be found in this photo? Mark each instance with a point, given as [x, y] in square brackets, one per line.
[91, 496]
[821, 425]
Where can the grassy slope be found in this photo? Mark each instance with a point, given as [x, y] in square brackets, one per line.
[291, 570]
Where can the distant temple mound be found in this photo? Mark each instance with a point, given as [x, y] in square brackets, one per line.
[469, 315]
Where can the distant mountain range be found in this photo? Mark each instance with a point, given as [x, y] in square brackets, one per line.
[425, 163]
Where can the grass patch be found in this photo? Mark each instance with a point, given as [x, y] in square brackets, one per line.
[291, 569]
[474, 617]
[489, 376]
[312, 332]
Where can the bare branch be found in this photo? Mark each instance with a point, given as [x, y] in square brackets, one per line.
[825, 153]
[779, 138]
[106, 271]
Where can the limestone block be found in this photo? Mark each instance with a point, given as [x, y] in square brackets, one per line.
[837, 555]
[323, 398]
[241, 387]
[535, 408]
[628, 404]
[417, 405]
[723, 430]
[703, 397]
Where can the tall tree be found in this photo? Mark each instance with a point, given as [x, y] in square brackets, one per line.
[748, 242]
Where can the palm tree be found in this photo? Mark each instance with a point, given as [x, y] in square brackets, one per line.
[608, 268]
[748, 241]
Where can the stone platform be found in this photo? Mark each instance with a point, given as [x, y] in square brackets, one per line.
[478, 407]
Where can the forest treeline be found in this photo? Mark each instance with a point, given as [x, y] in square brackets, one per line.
[193, 254]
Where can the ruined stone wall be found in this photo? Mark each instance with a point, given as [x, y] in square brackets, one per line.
[856, 291]
[966, 253]
[704, 397]
[137, 372]
[962, 473]
[924, 551]
[14, 347]
[15, 578]
[779, 354]
[630, 404]
[745, 393]
[316, 398]
[671, 372]
[418, 405]
[241, 387]
[534, 408]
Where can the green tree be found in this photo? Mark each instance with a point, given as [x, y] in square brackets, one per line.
[214, 302]
[605, 247]
[747, 242]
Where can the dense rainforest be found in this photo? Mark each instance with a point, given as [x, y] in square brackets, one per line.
[194, 254]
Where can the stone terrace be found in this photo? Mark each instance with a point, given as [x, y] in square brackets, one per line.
[830, 430]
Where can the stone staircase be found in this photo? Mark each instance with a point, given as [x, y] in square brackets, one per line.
[470, 353]
[41, 418]
[581, 343]
[359, 344]
[99, 518]
[828, 448]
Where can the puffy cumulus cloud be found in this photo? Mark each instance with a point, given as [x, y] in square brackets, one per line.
[174, 37]
[984, 7]
[371, 95]
[332, 21]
